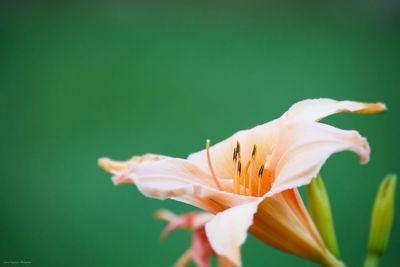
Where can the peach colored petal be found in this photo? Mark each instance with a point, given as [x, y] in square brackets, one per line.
[317, 109]
[283, 217]
[279, 219]
[177, 179]
[305, 146]
[295, 203]
[115, 166]
[228, 230]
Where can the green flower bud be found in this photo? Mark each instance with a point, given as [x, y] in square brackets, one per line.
[320, 211]
[381, 220]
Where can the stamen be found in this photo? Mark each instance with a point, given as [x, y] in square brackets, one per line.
[252, 170]
[253, 153]
[238, 148]
[260, 173]
[250, 185]
[246, 177]
[234, 158]
[214, 177]
[241, 177]
[237, 177]
[234, 178]
[237, 169]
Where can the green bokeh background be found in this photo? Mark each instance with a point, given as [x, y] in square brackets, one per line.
[78, 82]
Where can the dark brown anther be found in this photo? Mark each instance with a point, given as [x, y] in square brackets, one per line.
[253, 153]
[238, 148]
[234, 155]
[239, 167]
[261, 171]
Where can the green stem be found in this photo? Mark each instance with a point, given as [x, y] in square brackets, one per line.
[332, 261]
[372, 260]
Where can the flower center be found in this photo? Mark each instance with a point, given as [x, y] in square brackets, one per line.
[255, 179]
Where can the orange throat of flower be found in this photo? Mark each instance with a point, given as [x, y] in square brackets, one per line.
[254, 179]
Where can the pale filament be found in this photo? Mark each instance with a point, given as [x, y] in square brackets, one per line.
[239, 172]
[253, 168]
[246, 179]
[214, 177]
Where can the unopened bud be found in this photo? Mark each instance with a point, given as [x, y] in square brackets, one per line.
[320, 211]
[381, 220]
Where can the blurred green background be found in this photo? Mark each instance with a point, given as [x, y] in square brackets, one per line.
[81, 81]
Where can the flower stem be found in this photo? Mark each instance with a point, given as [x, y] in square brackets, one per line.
[372, 260]
[332, 261]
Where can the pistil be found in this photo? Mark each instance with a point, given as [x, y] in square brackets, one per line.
[214, 177]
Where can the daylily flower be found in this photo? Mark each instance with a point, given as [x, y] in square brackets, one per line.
[249, 180]
[200, 250]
